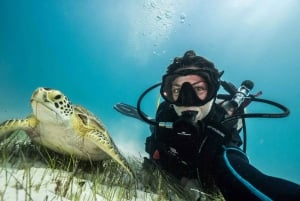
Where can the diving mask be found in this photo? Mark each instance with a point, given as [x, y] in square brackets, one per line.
[189, 94]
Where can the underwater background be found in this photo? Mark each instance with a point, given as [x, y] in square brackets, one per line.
[100, 53]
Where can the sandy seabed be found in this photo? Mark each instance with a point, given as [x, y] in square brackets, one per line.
[39, 184]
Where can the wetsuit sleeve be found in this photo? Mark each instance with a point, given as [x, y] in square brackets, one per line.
[239, 180]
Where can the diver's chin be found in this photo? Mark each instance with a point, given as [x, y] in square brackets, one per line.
[202, 110]
[180, 109]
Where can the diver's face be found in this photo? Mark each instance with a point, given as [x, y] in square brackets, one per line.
[197, 82]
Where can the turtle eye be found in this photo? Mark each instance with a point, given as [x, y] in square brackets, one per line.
[57, 97]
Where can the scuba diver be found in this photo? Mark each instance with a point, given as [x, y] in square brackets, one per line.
[194, 138]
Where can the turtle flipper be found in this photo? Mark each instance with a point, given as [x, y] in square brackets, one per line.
[9, 126]
[105, 143]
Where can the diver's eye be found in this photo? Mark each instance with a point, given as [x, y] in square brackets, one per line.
[175, 91]
[199, 89]
[57, 97]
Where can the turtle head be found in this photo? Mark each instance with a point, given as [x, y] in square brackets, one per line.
[51, 105]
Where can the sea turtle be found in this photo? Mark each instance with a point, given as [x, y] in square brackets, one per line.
[65, 128]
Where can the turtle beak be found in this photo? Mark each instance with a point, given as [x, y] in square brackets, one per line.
[40, 94]
[34, 94]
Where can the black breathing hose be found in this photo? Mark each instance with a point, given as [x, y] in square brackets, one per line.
[285, 110]
[146, 118]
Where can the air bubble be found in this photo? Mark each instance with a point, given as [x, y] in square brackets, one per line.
[182, 17]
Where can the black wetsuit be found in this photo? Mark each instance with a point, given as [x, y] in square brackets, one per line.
[221, 162]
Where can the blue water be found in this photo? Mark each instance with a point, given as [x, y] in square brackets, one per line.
[100, 53]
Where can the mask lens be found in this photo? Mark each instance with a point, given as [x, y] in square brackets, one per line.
[166, 88]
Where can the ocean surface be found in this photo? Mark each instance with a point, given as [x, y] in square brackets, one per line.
[100, 53]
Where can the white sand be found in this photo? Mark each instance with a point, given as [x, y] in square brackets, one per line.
[38, 184]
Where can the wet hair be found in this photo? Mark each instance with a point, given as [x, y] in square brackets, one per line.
[190, 59]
